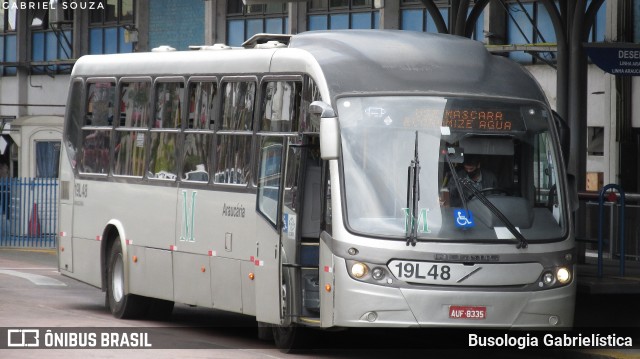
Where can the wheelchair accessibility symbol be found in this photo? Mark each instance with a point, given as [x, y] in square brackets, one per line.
[463, 219]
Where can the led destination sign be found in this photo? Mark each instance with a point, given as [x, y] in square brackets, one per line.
[471, 119]
[467, 118]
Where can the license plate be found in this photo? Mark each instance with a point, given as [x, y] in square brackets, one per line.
[467, 312]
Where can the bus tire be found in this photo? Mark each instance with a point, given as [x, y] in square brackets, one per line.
[265, 332]
[159, 309]
[121, 305]
[287, 338]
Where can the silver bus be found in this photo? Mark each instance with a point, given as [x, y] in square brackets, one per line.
[319, 180]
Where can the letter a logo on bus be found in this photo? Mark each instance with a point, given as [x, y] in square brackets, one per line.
[188, 215]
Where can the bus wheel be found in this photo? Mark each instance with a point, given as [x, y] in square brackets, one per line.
[160, 309]
[121, 305]
[287, 337]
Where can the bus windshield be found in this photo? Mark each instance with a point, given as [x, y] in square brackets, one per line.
[405, 158]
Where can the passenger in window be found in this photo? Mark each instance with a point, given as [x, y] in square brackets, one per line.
[481, 178]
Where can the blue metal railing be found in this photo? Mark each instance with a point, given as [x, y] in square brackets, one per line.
[621, 225]
[28, 212]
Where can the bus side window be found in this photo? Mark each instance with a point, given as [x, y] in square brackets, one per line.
[198, 136]
[280, 106]
[233, 149]
[96, 130]
[164, 133]
[74, 121]
[129, 150]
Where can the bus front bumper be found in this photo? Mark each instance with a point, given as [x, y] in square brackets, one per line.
[359, 304]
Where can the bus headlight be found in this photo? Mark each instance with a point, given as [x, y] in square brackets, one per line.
[548, 278]
[563, 275]
[377, 273]
[359, 270]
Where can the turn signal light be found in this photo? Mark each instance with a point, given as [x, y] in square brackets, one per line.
[252, 276]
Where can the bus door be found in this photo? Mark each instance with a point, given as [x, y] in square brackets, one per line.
[295, 184]
[268, 269]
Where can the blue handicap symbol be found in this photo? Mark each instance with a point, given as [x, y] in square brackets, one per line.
[463, 218]
[285, 225]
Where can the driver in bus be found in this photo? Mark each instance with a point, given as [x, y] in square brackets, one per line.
[481, 178]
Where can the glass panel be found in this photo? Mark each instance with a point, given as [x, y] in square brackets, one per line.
[134, 104]
[12, 13]
[431, 26]
[361, 3]
[310, 123]
[196, 159]
[318, 22]
[96, 15]
[514, 36]
[129, 153]
[95, 151]
[100, 103]
[47, 159]
[2, 14]
[233, 159]
[201, 105]
[52, 47]
[338, 3]
[269, 177]
[503, 148]
[274, 26]
[73, 121]
[111, 11]
[238, 106]
[168, 104]
[95, 41]
[361, 20]
[111, 40]
[254, 26]
[339, 21]
[65, 49]
[545, 26]
[280, 106]
[412, 20]
[127, 10]
[124, 46]
[162, 161]
[37, 46]
[235, 32]
[318, 4]
[234, 6]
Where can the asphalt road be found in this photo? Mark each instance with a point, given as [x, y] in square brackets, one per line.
[34, 296]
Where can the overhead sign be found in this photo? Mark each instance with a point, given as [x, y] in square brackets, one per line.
[616, 58]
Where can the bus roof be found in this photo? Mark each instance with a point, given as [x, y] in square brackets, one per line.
[406, 61]
[350, 61]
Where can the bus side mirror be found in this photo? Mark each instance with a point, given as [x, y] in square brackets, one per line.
[329, 130]
[564, 134]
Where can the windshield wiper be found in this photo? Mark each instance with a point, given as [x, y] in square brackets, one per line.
[413, 195]
[521, 241]
[459, 182]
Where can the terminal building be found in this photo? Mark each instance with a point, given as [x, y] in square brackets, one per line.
[555, 41]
